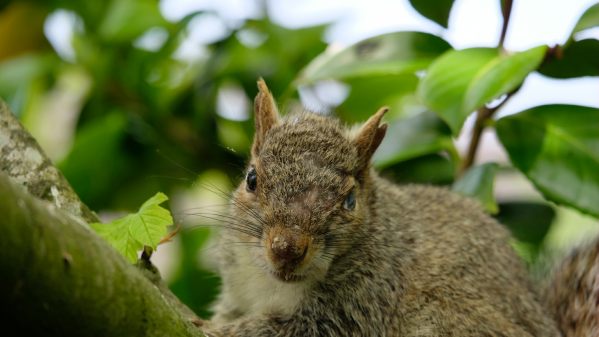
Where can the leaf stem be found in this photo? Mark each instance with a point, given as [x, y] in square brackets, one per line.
[506, 11]
[482, 117]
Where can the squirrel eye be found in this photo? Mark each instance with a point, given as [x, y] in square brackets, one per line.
[350, 201]
[250, 180]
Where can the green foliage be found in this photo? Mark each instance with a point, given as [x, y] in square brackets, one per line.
[529, 222]
[436, 10]
[502, 75]
[463, 81]
[573, 60]
[447, 80]
[131, 233]
[413, 137]
[589, 19]
[477, 183]
[388, 54]
[558, 153]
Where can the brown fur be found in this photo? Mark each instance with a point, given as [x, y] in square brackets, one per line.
[406, 261]
[573, 292]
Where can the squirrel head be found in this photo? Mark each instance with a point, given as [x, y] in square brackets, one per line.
[306, 193]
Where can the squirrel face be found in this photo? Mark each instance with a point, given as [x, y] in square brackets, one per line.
[304, 192]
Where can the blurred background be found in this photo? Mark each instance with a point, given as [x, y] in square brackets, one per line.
[131, 97]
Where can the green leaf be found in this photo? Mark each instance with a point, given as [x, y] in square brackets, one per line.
[436, 10]
[500, 76]
[131, 233]
[367, 94]
[477, 183]
[528, 221]
[557, 148]
[413, 137]
[589, 19]
[447, 79]
[98, 151]
[127, 19]
[387, 54]
[577, 59]
[460, 82]
[428, 169]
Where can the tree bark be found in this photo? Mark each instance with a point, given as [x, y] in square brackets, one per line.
[25, 162]
[57, 277]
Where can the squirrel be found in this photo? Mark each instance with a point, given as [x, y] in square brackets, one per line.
[316, 243]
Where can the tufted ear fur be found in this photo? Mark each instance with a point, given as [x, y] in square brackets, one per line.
[370, 137]
[266, 115]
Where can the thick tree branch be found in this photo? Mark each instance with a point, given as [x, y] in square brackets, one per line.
[60, 279]
[23, 162]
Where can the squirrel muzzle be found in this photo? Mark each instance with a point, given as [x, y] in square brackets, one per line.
[287, 250]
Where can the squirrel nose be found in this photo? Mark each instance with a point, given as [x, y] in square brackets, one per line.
[287, 249]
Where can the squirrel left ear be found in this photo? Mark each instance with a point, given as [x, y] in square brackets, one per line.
[370, 137]
[266, 115]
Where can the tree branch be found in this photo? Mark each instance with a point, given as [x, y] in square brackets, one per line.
[23, 162]
[60, 278]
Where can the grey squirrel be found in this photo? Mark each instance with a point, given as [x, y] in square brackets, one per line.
[317, 244]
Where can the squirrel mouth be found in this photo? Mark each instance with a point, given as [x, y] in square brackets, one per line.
[287, 277]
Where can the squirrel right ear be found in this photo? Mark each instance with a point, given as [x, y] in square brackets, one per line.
[370, 137]
[266, 115]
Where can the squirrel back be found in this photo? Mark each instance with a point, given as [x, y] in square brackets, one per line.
[572, 292]
[317, 244]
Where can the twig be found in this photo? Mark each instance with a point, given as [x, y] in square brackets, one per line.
[506, 11]
[482, 116]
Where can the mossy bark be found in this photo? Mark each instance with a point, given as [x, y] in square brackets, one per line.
[60, 279]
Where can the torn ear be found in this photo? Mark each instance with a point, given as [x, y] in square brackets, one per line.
[266, 115]
[370, 137]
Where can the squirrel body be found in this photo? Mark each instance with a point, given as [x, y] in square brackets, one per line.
[317, 244]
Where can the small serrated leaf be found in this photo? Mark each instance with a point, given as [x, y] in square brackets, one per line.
[147, 227]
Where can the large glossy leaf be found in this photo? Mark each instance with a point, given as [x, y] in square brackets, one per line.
[589, 19]
[478, 183]
[413, 137]
[436, 10]
[501, 76]
[387, 54]
[557, 147]
[448, 78]
[367, 94]
[577, 59]
[462, 81]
